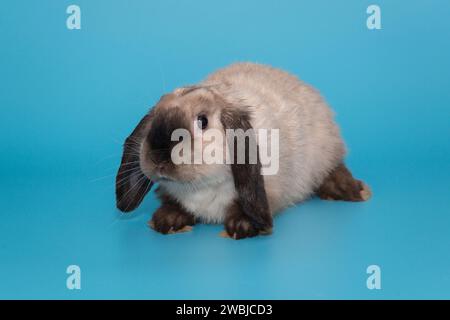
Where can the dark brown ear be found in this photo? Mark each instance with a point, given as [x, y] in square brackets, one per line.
[131, 184]
[248, 181]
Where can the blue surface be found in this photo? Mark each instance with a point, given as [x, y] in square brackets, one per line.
[69, 98]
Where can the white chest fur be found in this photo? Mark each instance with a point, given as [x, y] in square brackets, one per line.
[206, 202]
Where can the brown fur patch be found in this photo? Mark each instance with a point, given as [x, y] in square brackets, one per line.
[340, 185]
[131, 184]
[252, 202]
[171, 218]
[239, 226]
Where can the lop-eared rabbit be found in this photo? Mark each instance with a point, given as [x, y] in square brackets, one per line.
[243, 96]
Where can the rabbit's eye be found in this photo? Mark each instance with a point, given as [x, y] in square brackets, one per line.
[202, 121]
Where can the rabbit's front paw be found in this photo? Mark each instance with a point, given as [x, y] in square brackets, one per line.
[170, 219]
[239, 226]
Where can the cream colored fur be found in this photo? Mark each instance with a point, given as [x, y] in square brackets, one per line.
[310, 142]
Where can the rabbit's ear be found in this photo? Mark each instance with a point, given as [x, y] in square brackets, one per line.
[248, 180]
[131, 183]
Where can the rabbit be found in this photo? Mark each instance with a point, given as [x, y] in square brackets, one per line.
[241, 96]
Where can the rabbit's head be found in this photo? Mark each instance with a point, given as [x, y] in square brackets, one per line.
[184, 140]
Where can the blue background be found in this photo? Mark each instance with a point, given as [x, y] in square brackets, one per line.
[68, 98]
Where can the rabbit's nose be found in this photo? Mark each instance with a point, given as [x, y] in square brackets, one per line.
[159, 157]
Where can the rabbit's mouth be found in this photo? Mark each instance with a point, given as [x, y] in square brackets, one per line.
[160, 178]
